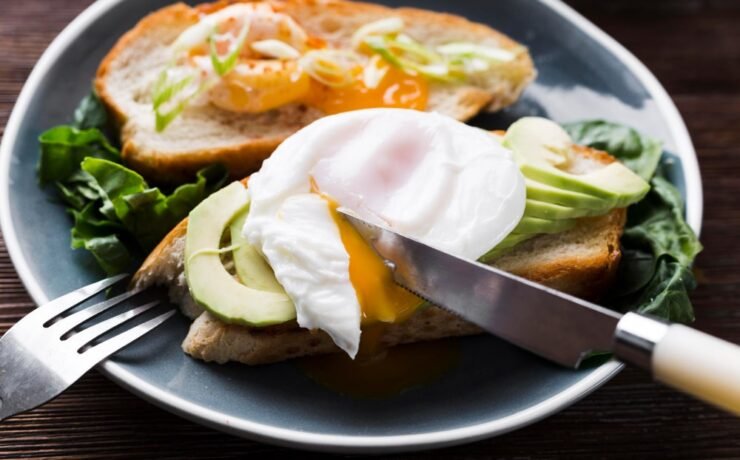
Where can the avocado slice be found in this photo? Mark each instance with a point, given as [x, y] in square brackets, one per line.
[251, 268]
[542, 192]
[614, 183]
[210, 284]
[535, 225]
[541, 147]
[545, 210]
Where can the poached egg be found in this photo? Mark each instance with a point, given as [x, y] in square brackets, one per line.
[424, 175]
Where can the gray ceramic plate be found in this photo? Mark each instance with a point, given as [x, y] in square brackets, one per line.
[495, 388]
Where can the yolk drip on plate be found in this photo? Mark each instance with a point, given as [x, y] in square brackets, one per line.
[397, 89]
[384, 374]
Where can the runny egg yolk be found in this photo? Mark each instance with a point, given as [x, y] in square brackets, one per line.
[397, 89]
[257, 86]
[380, 298]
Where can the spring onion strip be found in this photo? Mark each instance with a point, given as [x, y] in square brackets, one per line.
[411, 47]
[275, 49]
[226, 65]
[331, 67]
[473, 50]
[409, 55]
[164, 92]
[373, 73]
[388, 26]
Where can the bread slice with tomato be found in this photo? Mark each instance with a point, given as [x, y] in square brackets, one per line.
[434, 61]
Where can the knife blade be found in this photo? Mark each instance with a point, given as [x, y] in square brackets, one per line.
[555, 325]
[549, 323]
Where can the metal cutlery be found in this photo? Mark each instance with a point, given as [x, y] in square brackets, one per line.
[557, 326]
[44, 353]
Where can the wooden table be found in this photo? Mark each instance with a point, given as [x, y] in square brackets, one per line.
[693, 46]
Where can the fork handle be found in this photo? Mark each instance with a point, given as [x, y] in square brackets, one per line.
[693, 362]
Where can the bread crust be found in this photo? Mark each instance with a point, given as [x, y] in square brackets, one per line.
[245, 155]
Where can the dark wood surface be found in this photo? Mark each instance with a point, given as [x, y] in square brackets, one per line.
[693, 46]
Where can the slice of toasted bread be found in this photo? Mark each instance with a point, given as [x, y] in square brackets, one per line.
[581, 261]
[206, 134]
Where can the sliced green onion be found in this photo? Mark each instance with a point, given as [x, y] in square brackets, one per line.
[409, 55]
[414, 49]
[331, 67]
[275, 49]
[226, 65]
[379, 45]
[163, 90]
[387, 26]
[473, 50]
[166, 92]
[373, 74]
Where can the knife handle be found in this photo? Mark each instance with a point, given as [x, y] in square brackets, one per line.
[693, 362]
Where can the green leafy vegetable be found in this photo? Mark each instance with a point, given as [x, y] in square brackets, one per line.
[146, 213]
[64, 147]
[91, 113]
[639, 153]
[116, 214]
[658, 246]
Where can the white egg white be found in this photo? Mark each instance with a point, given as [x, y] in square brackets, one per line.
[425, 175]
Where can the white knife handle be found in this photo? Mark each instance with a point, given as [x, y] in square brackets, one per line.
[700, 365]
[690, 361]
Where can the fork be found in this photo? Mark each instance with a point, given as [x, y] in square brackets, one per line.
[41, 357]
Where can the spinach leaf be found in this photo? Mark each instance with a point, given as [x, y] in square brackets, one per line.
[64, 147]
[91, 113]
[116, 215]
[147, 213]
[657, 223]
[639, 153]
[658, 246]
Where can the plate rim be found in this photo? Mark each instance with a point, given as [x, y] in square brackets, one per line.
[341, 443]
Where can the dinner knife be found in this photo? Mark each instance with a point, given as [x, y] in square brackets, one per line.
[558, 326]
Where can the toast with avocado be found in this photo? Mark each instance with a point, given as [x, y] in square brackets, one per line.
[228, 82]
[571, 242]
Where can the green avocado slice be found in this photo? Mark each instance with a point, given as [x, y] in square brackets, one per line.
[543, 192]
[210, 284]
[541, 147]
[614, 183]
[251, 268]
[545, 210]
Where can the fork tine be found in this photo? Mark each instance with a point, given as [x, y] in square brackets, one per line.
[85, 336]
[65, 325]
[102, 350]
[67, 301]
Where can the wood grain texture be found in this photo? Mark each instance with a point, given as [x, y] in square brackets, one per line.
[693, 46]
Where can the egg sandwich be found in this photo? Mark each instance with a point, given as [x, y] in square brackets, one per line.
[268, 270]
[227, 82]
